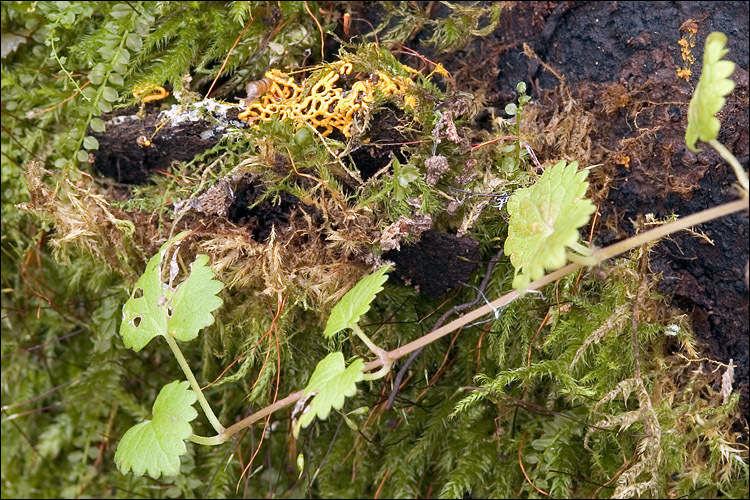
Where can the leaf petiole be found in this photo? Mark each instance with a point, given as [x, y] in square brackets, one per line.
[382, 354]
[378, 374]
[732, 160]
[193, 383]
[584, 260]
[209, 441]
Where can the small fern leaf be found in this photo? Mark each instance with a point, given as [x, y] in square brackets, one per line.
[544, 220]
[155, 446]
[708, 98]
[356, 302]
[330, 384]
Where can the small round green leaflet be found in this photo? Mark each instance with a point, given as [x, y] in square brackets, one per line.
[155, 446]
[356, 302]
[708, 98]
[544, 220]
[182, 311]
[331, 383]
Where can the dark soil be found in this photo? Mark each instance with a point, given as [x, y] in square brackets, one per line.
[125, 156]
[267, 214]
[384, 143]
[436, 264]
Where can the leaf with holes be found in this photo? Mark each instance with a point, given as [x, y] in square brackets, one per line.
[155, 446]
[544, 220]
[155, 308]
[330, 384]
[356, 302]
[708, 98]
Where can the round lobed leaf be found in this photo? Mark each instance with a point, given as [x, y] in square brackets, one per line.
[155, 446]
[544, 220]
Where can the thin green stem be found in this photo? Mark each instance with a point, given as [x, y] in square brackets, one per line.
[62, 66]
[730, 158]
[194, 383]
[583, 260]
[382, 354]
[600, 255]
[370, 344]
[208, 441]
[581, 249]
[378, 374]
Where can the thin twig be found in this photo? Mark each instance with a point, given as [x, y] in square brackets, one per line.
[380, 486]
[322, 54]
[531, 342]
[227, 57]
[619, 471]
[523, 469]
[636, 306]
[46, 110]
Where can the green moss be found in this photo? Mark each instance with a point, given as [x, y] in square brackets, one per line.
[549, 367]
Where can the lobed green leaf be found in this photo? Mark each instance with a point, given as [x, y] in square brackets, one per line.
[330, 384]
[156, 309]
[708, 98]
[544, 220]
[155, 446]
[356, 302]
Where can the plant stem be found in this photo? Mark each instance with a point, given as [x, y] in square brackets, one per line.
[730, 158]
[600, 256]
[208, 441]
[194, 383]
[260, 414]
[659, 232]
[62, 66]
[370, 344]
[380, 353]
[378, 374]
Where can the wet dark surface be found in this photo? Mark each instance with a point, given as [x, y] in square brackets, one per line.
[131, 149]
[436, 264]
